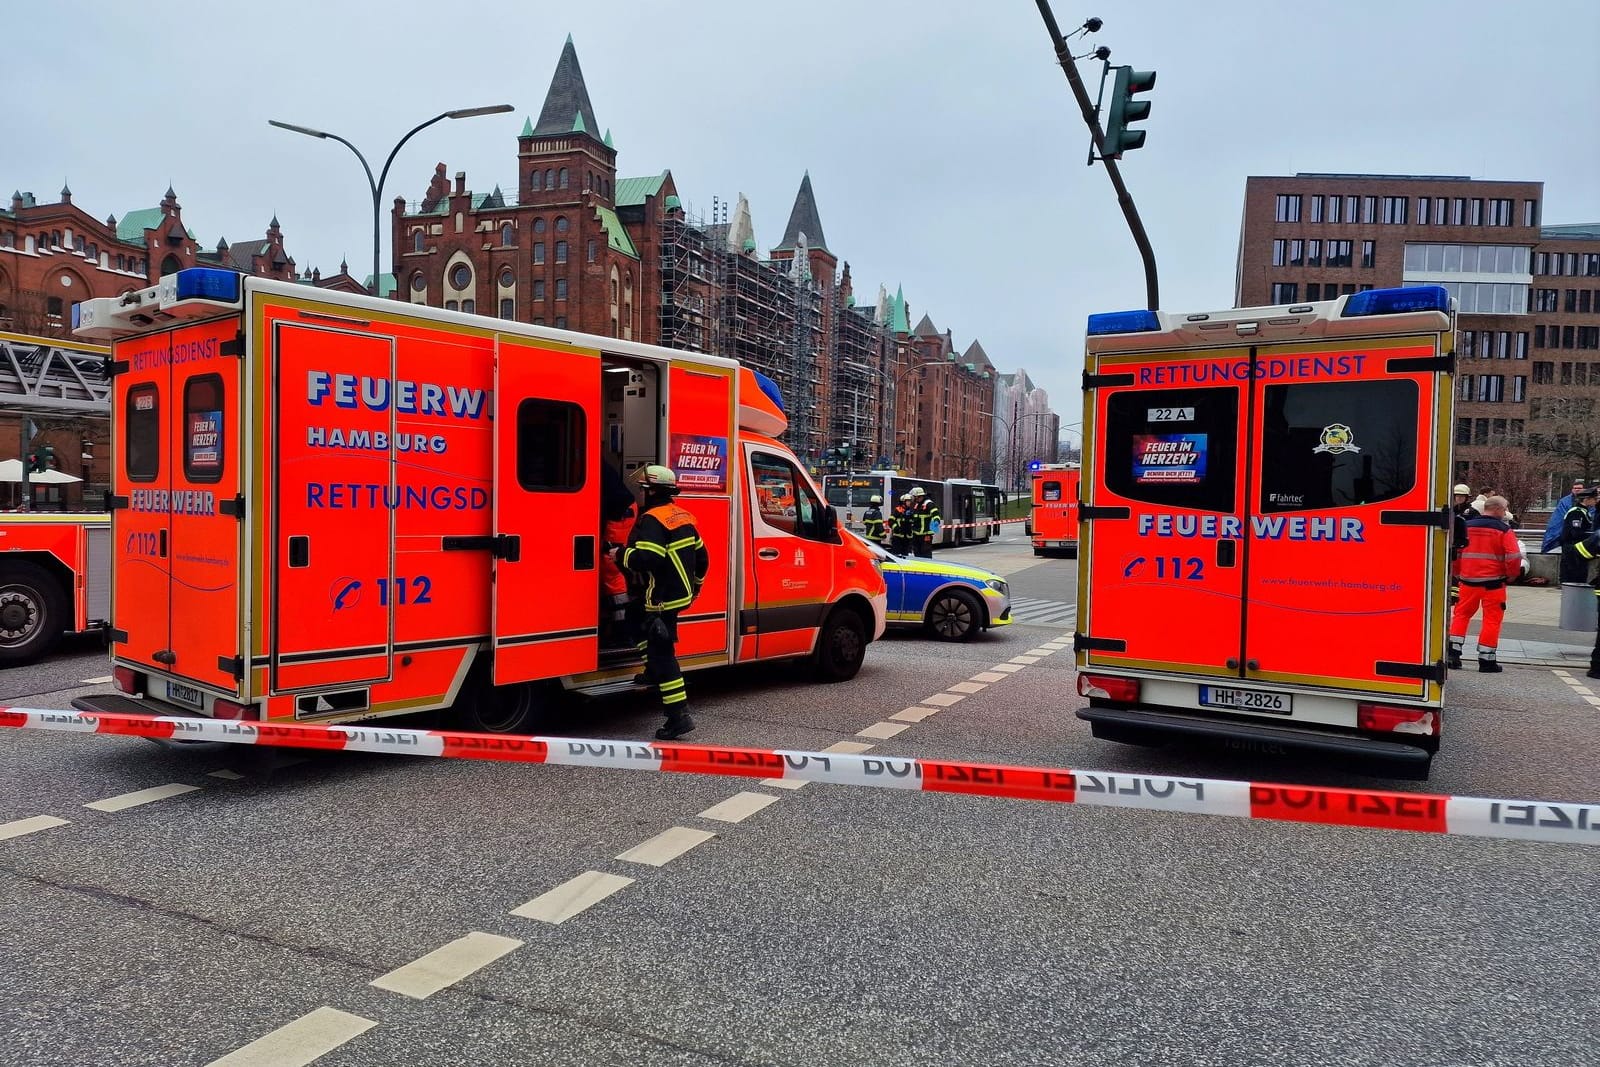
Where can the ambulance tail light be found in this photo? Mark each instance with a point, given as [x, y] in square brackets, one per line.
[1123, 690]
[1383, 718]
[1123, 322]
[233, 711]
[127, 680]
[1396, 301]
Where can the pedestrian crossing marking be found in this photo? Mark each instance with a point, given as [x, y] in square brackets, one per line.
[1029, 611]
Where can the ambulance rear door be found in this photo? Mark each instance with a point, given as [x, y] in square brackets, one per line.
[546, 611]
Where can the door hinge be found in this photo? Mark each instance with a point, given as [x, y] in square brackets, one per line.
[234, 507]
[118, 637]
[1422, 672]
[1439, 519]
[1445, 364]
[1099, 381]
[1086, 511]
[500, 546]
[115, 367]
[233, 665]
[234, 347]
[115, 502]
[1082, 642]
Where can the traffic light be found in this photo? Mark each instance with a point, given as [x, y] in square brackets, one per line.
[36, 463]
[1123, 109]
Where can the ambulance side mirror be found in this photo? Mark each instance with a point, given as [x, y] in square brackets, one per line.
[827, 524]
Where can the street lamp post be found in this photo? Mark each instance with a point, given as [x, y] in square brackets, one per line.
[383, 175]
[1013, 473]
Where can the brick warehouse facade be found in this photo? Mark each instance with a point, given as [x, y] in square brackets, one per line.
[1528, 295]
[576, 247]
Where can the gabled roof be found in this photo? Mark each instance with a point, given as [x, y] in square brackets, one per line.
[132, 226]
[803, 218]
[632, 192]
[491, 202]
[566, 105]
[926, 328]
[616, 234]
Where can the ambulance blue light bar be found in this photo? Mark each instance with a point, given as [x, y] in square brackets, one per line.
[1395, 301]
[770, 387]
[1123, 322]
[207, 283]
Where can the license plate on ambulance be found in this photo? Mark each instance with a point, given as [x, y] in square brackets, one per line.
[1213, 696]
[185, 694]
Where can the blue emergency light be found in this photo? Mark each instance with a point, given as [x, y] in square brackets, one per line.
[207, 283]
[1123, 322]
[770, 387]
[1395, 301]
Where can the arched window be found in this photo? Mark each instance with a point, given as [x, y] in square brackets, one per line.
[507, 278]
[170, 265]
[460, 276]
[417, 238]
[563, 177]
[561, 224]
[615, 286]
[538, 225]
[534, 184]
[418, 282]
[550, 178]
[505, 234]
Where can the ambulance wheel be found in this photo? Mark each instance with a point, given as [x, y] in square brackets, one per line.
[954, 615]
[33, 611]
[841, 646]
[506, 709]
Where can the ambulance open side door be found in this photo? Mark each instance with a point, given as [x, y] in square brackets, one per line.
[546, 611]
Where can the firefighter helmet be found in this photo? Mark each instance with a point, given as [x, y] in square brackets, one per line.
[654, 476]
[916, 490]
[875, 499]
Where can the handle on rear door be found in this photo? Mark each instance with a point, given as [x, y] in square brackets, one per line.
[768, 553]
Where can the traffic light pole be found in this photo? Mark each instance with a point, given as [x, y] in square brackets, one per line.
[1092, 120]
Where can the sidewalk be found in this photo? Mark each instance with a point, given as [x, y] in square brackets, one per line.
[1531, 637]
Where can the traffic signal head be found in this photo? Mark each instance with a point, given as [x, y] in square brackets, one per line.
[1123, 109]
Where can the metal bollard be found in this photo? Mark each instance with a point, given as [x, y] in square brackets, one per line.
[1578, 611]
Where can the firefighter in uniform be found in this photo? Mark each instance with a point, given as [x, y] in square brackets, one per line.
[901, 525]
[1576, 526]
[872, 519]
[1461, 507]
[616, 523]
[667, 561]
[1491, 558]
[926, 515]
[1587, 550]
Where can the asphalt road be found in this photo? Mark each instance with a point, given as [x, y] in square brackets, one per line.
[828, 925]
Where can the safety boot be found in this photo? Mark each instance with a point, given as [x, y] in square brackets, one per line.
[677, 724]
[1453, 658]
[1489, 666]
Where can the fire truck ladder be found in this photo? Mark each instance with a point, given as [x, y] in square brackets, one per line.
[46, 376]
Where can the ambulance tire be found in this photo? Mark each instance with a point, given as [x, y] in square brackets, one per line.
[507, 709]
[34, 612]
[841, 646]
[954, 615]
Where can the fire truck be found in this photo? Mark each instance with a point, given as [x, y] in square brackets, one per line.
[331, 508]
[1266, 522]
[1053, 520]
[55, 575]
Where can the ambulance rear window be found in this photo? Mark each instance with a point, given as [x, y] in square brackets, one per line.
[1337, 444]
[1174, 448]
[142, 436]
[202, 428]
[550, 446]
[1052, 492]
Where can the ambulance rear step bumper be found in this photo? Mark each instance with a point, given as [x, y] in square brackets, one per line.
[116, 704]
[1147, 726]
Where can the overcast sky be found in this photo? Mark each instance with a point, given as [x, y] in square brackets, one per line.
[942, 140]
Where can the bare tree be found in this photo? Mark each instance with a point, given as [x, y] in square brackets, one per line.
[1512, 469]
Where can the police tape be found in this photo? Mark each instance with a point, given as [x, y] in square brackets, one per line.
[976, 525]
[1524, 820]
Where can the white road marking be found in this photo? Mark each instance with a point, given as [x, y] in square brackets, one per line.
[310, 1037]
[32, 824]
[989, 676]
[1041, 651]
[1042, 612]
[882, 731]
[666, 846]
[1007, 668]
[967, 687]
[95, 681]
[1025, 660]
[446, 965]
[785, 783]
[913, 714]
[1594, 700]
[225, 775]
[739, 807]
[572, 897]
[141, 796]
[850, 748]
[943, 700]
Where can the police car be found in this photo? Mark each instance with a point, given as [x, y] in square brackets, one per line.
[951, 601]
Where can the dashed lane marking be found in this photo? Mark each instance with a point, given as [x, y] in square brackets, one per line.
[666, 846]
[141, 796]
[943, 700]
[989, 676]
[913, 714]
[785, 783]
[1026, 661]
[446, 965]
[967, 687]
[882, 731]
[738, 807]
[33, 824]
[95, 681]
[1007, 668]
[1041, 651]
[297, 1043]
[572, 897]
[225, 774]
[849, 748]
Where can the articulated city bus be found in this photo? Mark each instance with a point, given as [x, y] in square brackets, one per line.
[969, 510]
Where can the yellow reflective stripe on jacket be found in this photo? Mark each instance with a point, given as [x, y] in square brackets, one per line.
[1583, 550]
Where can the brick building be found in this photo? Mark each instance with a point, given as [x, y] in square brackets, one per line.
[1528, 297]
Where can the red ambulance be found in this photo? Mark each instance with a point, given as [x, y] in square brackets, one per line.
[55, 573]
[1053, 521]
[331, 507]
[1266, 527]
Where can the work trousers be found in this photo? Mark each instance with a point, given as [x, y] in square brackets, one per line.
[925, 547]
[900, 546]
[659, 647]
[1493, 602]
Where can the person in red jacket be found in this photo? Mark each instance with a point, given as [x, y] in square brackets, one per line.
[1491, 558]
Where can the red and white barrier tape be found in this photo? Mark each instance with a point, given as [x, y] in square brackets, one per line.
[1525, 820]
[977, 525]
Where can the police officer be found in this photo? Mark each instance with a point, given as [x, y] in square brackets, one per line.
[1589, 549]
[1576, 526]
[667, 559]
[901, 526]
[872, 519]
[1492, 558]
[926, 514]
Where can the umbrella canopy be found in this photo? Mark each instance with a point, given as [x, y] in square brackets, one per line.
[11, 471]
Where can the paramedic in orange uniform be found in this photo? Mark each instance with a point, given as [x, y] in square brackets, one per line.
[1492, 557]
[667, 560]
[616, 523]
